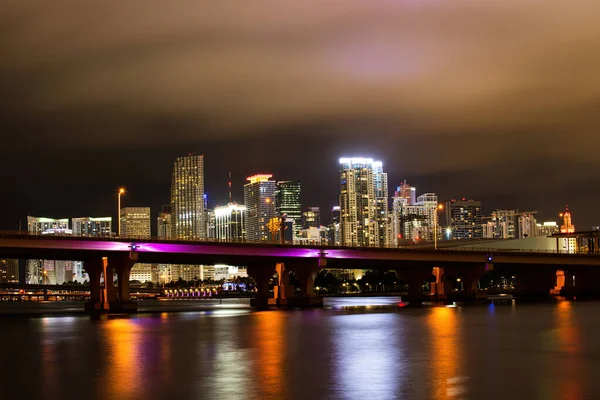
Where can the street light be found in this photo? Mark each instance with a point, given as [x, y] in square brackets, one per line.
[435, 225]
[121, 192]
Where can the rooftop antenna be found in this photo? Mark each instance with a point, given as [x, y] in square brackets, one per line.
[229, 184]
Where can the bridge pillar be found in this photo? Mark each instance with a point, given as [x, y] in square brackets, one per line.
[306, 272]
[534, 281]
[441, 288]
[122, 265]
[581, 281]
[94, 269]
[415, 278]
[261, 275]
[469, 276]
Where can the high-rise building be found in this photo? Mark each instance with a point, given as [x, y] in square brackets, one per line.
[463, 218]
[188, 211]
[413, 219]
[334, 234]
[9, 271]
[287, 197]
[311, 218]
[163, 223]
[230, 223]
[135, 222]
[211, 222]
[363, 211]
[569, 244]
[259, 199]
[92, 226]
[380, 181]
[505, 224]
[407, 192]
[527, 225]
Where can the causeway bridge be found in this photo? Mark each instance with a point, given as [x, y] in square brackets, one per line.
[535, 271]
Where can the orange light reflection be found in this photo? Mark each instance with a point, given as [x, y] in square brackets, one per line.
[269, 335]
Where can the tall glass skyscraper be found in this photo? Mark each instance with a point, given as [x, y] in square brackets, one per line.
[188, 216]
[363, 202]
[288, 203]
[259, 199]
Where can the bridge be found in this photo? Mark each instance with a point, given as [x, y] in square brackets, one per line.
[535, 271]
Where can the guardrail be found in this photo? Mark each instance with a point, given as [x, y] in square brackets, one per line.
[442, 245]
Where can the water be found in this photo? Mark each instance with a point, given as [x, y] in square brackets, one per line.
[346, 351]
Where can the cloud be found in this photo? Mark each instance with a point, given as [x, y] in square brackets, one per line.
[102, 73]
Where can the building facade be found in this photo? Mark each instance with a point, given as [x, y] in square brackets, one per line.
[188, 211]
[464, 219]
[92, 226]
[311, 218]
[135, 222]
[362, 221]
[288, 203]
[230, 223]
[259, 199]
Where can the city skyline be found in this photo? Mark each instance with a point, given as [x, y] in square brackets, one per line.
[157, 199]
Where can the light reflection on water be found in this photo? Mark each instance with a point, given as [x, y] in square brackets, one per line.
[533, 351]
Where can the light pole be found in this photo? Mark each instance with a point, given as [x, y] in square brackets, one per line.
[121, 192]
[439, 207]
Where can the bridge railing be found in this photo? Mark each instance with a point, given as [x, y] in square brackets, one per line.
[421, 247]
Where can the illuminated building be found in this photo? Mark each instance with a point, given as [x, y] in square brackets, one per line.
[527, 225]
[334, 233]
[259, 199]
[464, 219]
[547, 228]
[135, 224]
[92, 227]
[311, 218]
[34, 272]
[230, 223]
[9, 271]
[413, 219]
[569, 244]
[313, 236]
[502, 225]
[211, 229]
[163, 223]
[363, 208]
[287, 197]
[188, 209]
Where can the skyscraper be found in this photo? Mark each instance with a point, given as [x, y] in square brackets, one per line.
[230, 223]
[463, 218]
[363, 209]
[45, 271]
[259, 199]
[188, 214]
[135, 222]
[407, 192]
[287, 197]
[163, 223]
[413, 219]
[527, 225]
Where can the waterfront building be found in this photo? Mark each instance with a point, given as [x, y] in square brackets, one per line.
[413, 219]
[39, 225]
[92, 226]
[363, 211]
[230, 223]
[504, 224]
[334, 233]
[259, 199]
[568, 244]
[464, 219]
[44, 271]
[163, 224]
[188, 208]
[211, 229]
[287, 195]
[313, 236]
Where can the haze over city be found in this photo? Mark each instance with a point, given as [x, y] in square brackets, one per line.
[494, 101]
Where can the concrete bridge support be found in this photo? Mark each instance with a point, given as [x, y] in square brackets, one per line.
[105, 298]
[261, 275]
[415, 278]
[442, 287]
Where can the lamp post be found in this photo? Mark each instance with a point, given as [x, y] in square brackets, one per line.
[121, 192]
[439, 207]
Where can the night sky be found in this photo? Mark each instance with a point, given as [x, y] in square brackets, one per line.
[493, 100]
